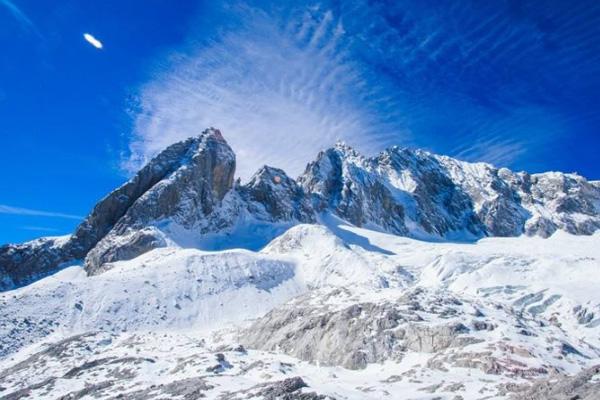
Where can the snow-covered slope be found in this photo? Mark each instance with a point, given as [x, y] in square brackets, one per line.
[181, 288]
[407, 317]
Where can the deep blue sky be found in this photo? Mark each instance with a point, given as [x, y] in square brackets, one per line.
[515, 83]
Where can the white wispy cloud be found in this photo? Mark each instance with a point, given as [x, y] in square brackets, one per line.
[93, 41]
[5, 209]
[279, 91]
[285, 81]
[521, 133]
[19, 15]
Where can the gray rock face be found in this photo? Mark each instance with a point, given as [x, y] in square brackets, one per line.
[434, 192]
[416, 193]
[583, 386]
[337, 327]
[189, 177]
[573, 202]
[199, 174]
[287, 389]
[332, 338]
[431, 339]
[339, 180]
[353, 336]
[21, 264]
[152, 192]
[272, 192]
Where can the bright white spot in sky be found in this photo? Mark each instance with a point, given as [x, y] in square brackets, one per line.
[92, 40]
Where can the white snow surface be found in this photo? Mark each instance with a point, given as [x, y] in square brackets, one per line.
[175, 304]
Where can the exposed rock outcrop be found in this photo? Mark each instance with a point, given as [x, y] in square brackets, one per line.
[419, 194]
[21, 264]
[583, 386]
[270, 191]
[286, 389]
[187, 177]
[340, 181]
[200, 173]
[339, 328]
[352, 336]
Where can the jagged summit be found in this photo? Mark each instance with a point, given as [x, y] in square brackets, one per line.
[280, 196]
[196, 171]
[189, 180]
[344, 148]
[175, 163]
[188, 191]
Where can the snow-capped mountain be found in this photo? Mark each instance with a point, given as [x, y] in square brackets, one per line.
[186, 195]
[404, 275]
[419, 194]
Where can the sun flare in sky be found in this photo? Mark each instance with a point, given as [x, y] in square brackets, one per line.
[93, 41]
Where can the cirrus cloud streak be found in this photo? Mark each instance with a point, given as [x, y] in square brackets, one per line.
[5, 209]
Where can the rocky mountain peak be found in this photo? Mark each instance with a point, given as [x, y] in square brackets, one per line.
[184, 182]
[199, 169]
[214, 283]
[190, 179]
[279, 195]
[344, 149]
[271, 176]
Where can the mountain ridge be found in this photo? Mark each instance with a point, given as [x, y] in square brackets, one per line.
[365, 278]
[189, 188]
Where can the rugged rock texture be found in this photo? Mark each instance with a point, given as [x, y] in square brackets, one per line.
[196, 172]
[189, 169]
[428, 320]
[416, 193]
[21, 264]
[199, 172]
[340, 180]
[189, 188]
[287, 389]
[583, 386]
[270, 191]
[332, 338]
[353, 336]
[435, 203]
[574, 204]
[338, 328]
